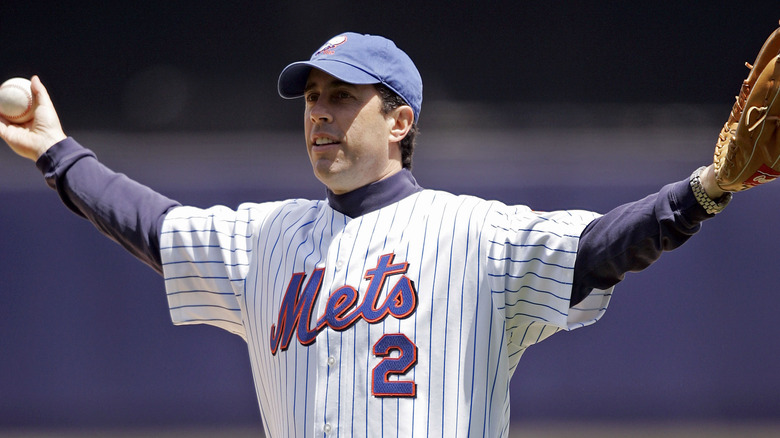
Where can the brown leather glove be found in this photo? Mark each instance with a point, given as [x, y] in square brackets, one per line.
[748, 148]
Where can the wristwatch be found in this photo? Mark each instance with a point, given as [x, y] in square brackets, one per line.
[711, 206]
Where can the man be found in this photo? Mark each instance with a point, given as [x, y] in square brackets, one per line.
[386, 309]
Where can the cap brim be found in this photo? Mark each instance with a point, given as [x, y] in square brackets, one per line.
[292, 80]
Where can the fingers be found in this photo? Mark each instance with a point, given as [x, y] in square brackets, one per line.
[3, 127]
[710, 184]
[46, 122]
[40, 94]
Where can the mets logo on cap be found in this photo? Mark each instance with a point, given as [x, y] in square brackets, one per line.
[327, 48]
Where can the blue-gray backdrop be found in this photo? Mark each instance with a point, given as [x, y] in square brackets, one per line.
[551, 104]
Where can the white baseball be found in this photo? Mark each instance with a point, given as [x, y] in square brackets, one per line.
[16, 101]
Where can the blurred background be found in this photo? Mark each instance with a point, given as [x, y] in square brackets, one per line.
[558, 104]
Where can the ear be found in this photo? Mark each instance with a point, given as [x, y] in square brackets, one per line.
[401, 119]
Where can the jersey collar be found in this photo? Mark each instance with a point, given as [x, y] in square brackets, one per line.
[375, 195]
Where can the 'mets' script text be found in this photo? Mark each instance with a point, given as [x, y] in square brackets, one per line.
[295, 312]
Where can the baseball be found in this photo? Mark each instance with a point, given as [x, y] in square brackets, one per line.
[16, 101]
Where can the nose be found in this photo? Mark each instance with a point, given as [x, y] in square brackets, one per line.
[320, 113]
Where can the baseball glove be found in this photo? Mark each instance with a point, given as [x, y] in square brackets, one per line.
[748, 148]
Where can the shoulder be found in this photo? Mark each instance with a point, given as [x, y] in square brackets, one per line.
[500, 219]
[441, 197]
[465, 210]
[465, 202]
[245, 212]
[288, 205]
[244, 208]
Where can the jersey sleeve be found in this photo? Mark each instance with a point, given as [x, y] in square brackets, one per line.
[531, 262]
[205, 256]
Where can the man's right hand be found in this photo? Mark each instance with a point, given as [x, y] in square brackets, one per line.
[32, 139]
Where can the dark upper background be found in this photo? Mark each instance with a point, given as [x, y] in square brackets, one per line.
[213, 65]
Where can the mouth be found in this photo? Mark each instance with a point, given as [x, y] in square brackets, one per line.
[324, 142]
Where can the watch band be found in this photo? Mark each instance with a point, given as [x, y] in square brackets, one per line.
[711, 206]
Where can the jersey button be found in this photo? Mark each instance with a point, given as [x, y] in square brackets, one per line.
[327, 428]
[339, 265]
[331, 361]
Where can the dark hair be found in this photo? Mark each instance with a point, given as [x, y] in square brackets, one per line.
[390, 101]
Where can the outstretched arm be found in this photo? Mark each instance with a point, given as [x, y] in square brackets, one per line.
[632, 236]
[127, 212]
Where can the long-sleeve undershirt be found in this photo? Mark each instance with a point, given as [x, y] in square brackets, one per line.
[626, 239]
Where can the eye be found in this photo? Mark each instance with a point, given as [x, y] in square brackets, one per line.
[311, 97]
[342, 95]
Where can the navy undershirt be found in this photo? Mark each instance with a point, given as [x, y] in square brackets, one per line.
[628, 238]
[376, 195]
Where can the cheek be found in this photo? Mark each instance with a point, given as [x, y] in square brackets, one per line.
[307, 124]
[369, 137]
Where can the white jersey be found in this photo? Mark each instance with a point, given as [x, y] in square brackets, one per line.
[407, 321]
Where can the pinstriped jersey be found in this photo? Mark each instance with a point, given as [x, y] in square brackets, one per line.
[406, 321]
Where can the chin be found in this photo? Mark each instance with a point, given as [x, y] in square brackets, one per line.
[337, 183]
[327, 177]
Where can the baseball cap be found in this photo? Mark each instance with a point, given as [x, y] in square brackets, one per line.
[358, 59]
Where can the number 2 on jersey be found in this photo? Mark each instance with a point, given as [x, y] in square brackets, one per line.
[381, 385]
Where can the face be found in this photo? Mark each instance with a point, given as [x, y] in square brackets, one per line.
[349, 140]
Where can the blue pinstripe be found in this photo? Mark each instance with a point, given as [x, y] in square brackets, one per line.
[295, 257]
[419, 280]
[533, 259]
[430, 335]
[498, 366]
[476, 329]
[462, 295]
[535, 245]
[327, 345]
[280, 216]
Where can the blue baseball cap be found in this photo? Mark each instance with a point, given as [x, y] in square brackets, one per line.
[358, 59]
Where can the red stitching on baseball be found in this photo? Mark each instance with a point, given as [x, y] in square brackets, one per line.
[29, 102]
